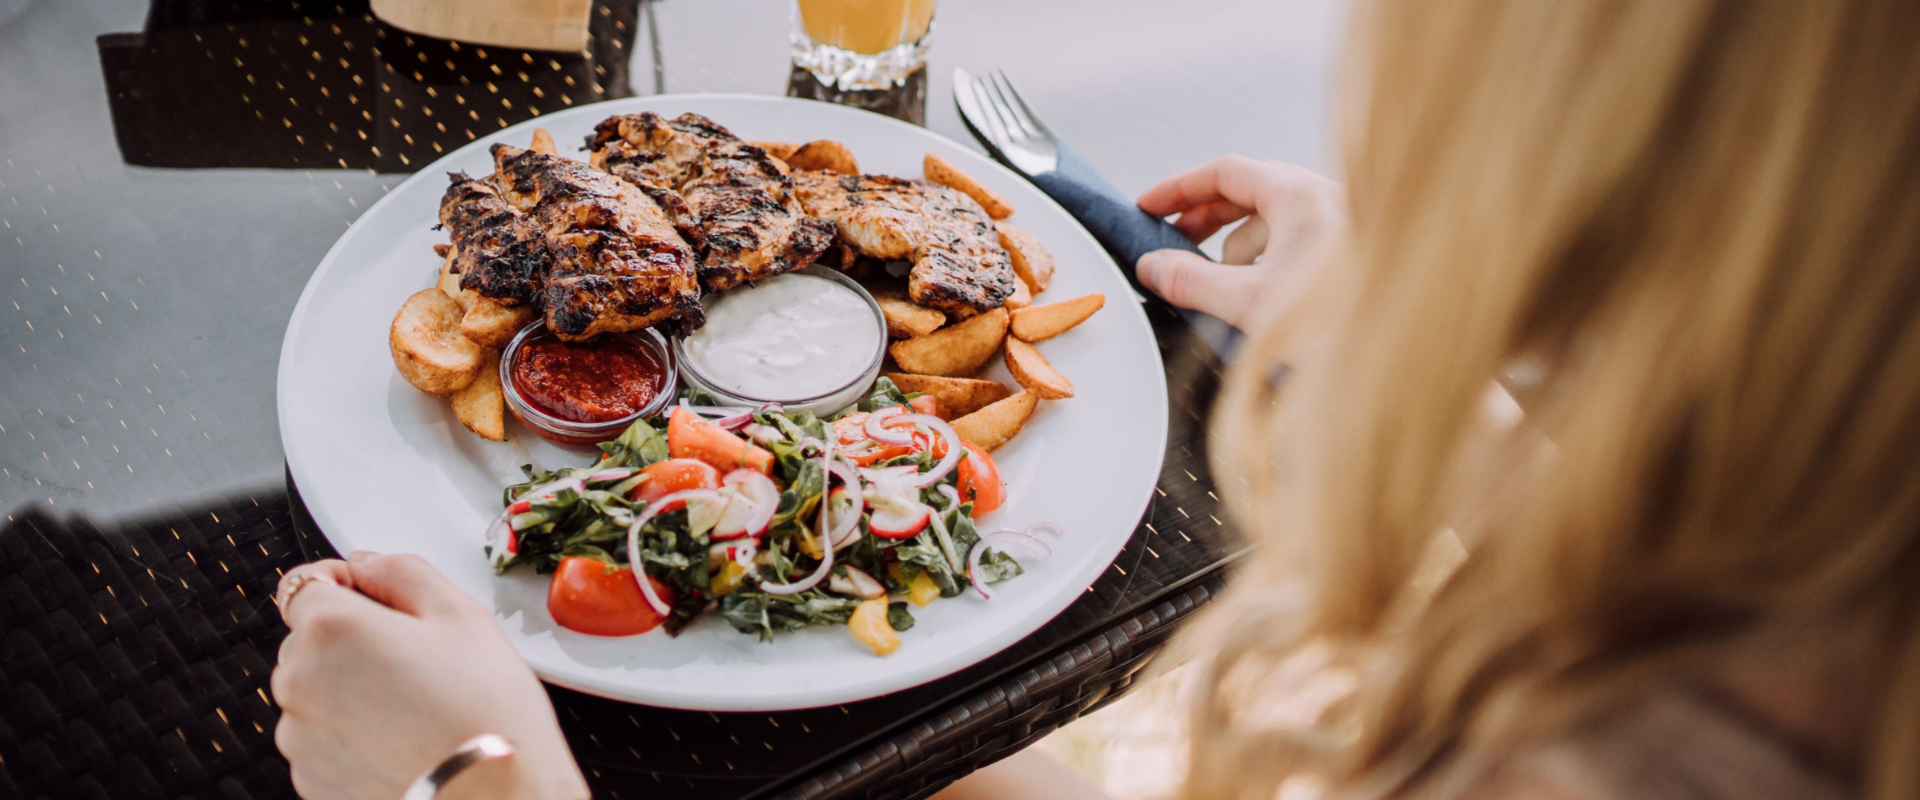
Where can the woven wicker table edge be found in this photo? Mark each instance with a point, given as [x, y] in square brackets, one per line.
[1012, 714]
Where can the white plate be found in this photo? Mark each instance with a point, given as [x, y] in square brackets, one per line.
[384, 467]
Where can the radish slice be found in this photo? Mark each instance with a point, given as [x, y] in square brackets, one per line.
[633, 540]
[896, 517]
[954, 448]
[764, 434]
[752, 500]
[877, 430]
[1005, 542]
[826, 542]
[502, 542]
[857, 583]
[847, 527]
[845, 505]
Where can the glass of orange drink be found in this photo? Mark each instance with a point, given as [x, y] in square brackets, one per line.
[861, 44]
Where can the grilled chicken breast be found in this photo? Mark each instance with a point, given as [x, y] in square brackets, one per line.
[958, 264]
[595, 253]
[734, 202]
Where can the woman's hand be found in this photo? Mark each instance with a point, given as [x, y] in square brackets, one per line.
[388, 670]
[1289, 211]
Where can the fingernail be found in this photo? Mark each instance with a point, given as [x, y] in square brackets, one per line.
[1149, 267]
[362, 556]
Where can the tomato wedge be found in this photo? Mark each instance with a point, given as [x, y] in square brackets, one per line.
[924, 404]
[598, 599]
[689, 436]
[980, 480]
[674, 475]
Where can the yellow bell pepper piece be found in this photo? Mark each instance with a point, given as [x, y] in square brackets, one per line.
[727, 580]
[922, 590]
[869, 625]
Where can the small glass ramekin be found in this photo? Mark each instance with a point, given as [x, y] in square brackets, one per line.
[585, 433]
[822, 404]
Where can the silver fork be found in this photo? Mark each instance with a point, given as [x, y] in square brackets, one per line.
[1010, 126]
[1003, 122]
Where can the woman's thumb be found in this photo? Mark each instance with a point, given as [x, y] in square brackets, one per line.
[1189, 280]
[406, 583]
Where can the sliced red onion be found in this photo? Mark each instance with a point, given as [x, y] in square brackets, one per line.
[774, 408]
[953, 495]
[1045, 527]
[877, 430]
[611, 475]
[744, 552]
[1003, 541]
[728, 417]
[553, 488]
[826, 541]
[888, 475]
[859, 447]
[817, 445]
[633, 540]
[848, 528]
[954, 448]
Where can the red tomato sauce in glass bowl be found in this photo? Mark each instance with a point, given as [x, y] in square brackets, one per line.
[585, 393]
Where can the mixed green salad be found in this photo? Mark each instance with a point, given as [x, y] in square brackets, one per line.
[773, 521]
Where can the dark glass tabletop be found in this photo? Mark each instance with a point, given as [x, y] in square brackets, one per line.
[170, 174]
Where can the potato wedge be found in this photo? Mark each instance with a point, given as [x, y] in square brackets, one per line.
[959, 349]
[779, 150]
[1031, 261]
[450, 283]
[1034, 373]
[1021, 297]
[954, 397]
[943, 172]
[427, 346]
[906, 320]
[492, 324]
[543, 142]
[1043, 322]
[480, 406]
[994, 425]
[824, 155]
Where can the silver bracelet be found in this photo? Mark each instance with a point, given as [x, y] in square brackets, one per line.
[484, 747]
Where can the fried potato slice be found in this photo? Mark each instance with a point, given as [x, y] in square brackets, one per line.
[994, 425]
[953, 397]
[1043, 322]
[480, 406]
[1034, 373]
[824, 154]
[959, 349]
[905, 319]
[1031, 261]
[493, 324]
[1021, 297]
[943, 172]
[543, 142]
[427, 346]
[779, 150]
[450, 283]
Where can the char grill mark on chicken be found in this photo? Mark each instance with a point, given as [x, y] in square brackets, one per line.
[495, 256]
[731, 199]
[958, 264]
[595, 253]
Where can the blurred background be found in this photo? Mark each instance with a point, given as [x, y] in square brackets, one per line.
[125, 125]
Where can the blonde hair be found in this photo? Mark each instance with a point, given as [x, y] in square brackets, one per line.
[1700, 220]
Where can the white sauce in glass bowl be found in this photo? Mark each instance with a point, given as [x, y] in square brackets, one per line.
[789, 337]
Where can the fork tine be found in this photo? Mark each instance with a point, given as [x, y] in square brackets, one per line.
[1028, 119]
[1004, 107]
[1005, 130]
